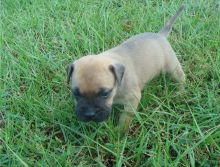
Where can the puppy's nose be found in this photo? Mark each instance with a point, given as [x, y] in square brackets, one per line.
[90, 114]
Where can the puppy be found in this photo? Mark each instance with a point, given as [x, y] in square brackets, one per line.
[118, 75]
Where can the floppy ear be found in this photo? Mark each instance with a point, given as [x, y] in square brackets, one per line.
[118, 71]
[69, 71]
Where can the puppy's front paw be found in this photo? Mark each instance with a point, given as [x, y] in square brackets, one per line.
[121, 130]
[124, 123]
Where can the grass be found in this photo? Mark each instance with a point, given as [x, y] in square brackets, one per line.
[37, 123]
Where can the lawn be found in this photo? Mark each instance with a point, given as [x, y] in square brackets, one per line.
[38, 126]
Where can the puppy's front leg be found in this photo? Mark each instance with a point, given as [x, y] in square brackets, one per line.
[127, 115]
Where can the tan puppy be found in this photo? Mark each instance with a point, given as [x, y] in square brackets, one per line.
[118, 75]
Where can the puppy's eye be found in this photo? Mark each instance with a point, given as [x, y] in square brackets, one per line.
[105, 93]
[76, 92]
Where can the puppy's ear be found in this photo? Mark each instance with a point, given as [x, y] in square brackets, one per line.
[118, 71]
[69, 71]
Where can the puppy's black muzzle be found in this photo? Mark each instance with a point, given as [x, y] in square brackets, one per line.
[92, 111]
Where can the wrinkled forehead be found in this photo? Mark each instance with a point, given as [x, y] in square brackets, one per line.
[92, 76]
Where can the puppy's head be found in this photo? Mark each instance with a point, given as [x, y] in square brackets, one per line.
[94, 81]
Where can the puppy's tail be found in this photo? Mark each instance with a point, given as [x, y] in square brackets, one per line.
[165, 31]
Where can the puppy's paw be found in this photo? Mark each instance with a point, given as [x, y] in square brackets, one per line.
[121, 130]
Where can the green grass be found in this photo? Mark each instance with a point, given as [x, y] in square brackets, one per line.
[37, 124]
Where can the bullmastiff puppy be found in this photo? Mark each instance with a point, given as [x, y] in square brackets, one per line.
[119, 74]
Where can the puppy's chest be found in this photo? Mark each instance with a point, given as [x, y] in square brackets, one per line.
[122, 97]
[119, 97]
[118, 100]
